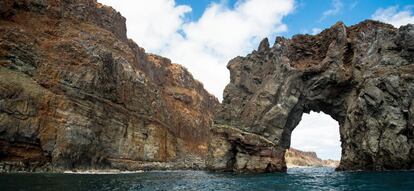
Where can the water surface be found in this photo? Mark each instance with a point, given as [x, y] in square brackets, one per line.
[295, 179]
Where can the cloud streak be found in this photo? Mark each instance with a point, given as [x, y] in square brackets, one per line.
[316, 31]
[394, 16]
[334, 10]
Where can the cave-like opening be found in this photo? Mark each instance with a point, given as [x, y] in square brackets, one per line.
[316, 132]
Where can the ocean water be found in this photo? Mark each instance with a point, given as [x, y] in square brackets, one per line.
[295, 179]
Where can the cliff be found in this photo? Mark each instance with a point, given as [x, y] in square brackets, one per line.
[361, 75]
[76, 93]
[298, 158]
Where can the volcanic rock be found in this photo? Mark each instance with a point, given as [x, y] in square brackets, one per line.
[361, 75]
[76, 93]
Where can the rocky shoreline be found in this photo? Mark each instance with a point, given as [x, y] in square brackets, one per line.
[116, 165]
[294, 159]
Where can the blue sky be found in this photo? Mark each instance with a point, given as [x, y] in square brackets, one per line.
[204, 35]
[308, 13]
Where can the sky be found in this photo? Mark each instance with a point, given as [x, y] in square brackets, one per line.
[203, 35]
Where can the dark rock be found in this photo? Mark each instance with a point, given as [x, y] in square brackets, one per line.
[264, 45]
[362, 76]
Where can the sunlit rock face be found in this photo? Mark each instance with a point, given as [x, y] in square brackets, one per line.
[362, 76]
[76, 93]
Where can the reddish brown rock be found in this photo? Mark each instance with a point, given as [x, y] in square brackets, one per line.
[76, 93]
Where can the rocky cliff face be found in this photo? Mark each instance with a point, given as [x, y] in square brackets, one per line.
[298, 158]
[362, 76]
[76, 93]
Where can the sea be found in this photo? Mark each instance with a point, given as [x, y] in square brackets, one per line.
[296, 179]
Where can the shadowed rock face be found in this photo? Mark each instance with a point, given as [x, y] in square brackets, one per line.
[76, 93]
[362, 76]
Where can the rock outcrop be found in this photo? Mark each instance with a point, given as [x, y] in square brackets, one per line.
[298, 158]
[76, 93]
[362, 76]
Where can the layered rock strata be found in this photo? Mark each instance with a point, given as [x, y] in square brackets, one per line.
[76, 93]
[361, 75]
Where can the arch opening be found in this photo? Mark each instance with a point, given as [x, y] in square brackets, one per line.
[317, 136]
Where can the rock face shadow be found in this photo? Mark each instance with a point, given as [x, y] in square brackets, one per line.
[362, 76]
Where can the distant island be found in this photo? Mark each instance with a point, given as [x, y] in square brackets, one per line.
[298, 158]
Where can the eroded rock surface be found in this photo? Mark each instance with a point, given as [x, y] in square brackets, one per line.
[76, 93]
[362, 76]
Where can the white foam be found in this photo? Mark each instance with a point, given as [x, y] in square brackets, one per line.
[102, 172]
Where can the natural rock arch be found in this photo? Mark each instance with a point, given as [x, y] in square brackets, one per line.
[362, 76]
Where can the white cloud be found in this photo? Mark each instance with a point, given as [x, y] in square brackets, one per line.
[393, 16]
[320, 133]
[152, 24]
[206, 45]
[316, 31]
[334, 10]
